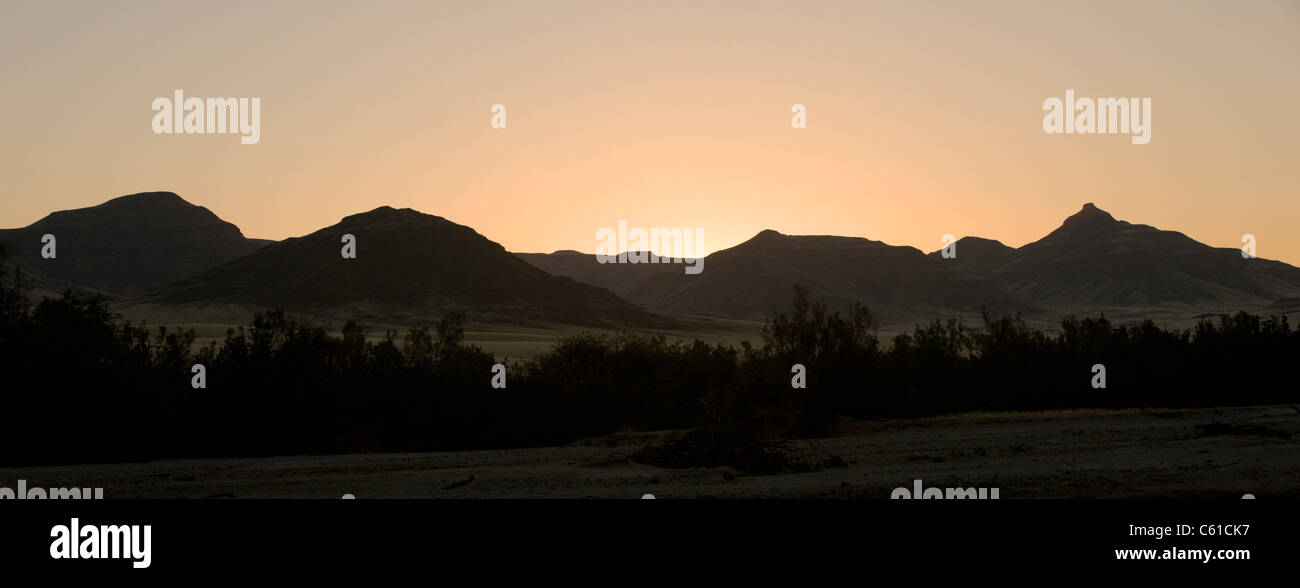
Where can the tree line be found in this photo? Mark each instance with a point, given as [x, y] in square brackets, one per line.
[82, 385]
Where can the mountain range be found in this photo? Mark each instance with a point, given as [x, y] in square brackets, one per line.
[1095, 261]
[158, 250]
[408, 266]
[755, 278]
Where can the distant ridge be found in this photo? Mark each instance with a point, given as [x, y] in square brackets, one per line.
[756, 278]
[620, 278]
[976, 254]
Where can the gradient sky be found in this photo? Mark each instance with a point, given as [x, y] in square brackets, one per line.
[924, 118]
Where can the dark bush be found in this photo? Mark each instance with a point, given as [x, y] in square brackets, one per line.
[79, 385]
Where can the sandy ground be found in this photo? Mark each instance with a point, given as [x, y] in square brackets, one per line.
[1204, 453]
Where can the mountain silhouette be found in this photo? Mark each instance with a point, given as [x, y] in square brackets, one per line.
[127, 246]
[408, 266]
[619, 278]
[976, 254]
[1096, 261]
[156, 249]
[755, 278]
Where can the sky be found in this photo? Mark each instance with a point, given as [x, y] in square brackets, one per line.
[922, 118]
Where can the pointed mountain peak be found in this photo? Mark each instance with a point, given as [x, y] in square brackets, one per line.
[1089, 214]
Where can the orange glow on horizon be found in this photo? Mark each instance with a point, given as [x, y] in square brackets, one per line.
[922, 120]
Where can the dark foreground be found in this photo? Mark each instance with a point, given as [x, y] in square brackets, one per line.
[1202, 453]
